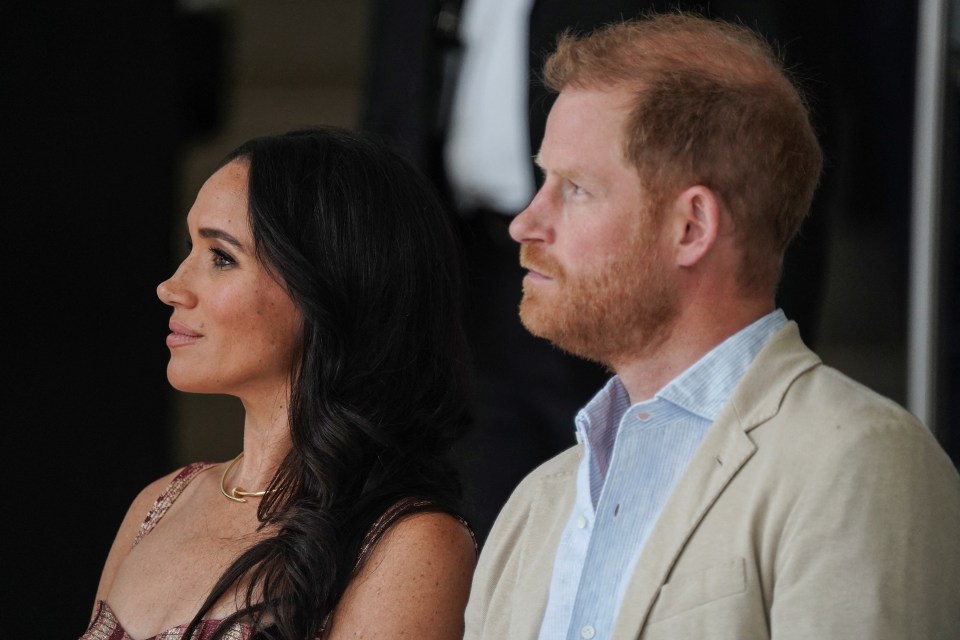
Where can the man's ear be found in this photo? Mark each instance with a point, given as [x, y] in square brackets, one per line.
[697, 221]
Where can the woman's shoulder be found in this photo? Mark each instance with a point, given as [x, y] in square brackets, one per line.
[416, 516]
[430, 532]
[161, 490]
[423, 551]
[173, 481]
[415, 581]
[164, 492]
[138, 514]
[147, 497]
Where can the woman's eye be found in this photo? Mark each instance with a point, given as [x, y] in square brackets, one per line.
[221, 259]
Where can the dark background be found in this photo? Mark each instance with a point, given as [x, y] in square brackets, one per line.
[114, 112]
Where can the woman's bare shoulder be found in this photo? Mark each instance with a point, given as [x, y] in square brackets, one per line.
[416, 582]
[140, 507]
[428, 534]
[129, 527]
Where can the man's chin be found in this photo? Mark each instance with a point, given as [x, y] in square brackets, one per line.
[530, 315]
[545, 321]
[539, 318]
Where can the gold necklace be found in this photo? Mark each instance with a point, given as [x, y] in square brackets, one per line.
[237, 494]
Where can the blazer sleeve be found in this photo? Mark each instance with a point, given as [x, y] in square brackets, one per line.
[510, 585]
[871, 548]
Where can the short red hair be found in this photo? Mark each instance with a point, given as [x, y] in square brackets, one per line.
[714, 106]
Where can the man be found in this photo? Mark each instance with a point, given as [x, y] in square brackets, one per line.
[456, 85]
[726, 483]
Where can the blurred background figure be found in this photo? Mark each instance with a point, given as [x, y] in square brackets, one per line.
[456, 84]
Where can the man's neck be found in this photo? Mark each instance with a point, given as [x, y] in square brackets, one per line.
[690, 338]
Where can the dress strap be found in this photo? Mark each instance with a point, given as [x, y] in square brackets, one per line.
[169, 496]
[405, 507]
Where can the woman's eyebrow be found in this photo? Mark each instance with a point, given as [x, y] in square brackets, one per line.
[207, 232]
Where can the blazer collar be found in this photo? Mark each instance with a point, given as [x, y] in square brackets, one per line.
[723, 452]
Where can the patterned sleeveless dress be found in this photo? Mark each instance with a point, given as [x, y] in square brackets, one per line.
[106, 626]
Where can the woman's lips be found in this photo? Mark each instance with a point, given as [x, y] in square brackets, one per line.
[180, 335]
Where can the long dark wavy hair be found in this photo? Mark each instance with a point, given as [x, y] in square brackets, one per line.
[364, 248]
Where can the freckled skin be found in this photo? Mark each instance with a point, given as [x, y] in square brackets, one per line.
[233, 304]
[415, 584]
[234, 331]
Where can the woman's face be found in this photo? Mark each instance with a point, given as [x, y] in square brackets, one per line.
[233, 328]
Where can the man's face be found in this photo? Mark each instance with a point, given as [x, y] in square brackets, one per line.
[597, 283]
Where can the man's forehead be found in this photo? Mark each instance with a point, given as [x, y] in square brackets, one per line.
[620, 95]
[578, 112]
[584, 126]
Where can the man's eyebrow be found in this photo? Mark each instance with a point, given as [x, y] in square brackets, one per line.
[573, 174]
[217, 234]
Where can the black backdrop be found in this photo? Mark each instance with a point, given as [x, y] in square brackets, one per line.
[97, 99]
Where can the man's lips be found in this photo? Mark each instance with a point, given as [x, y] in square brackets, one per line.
[533, 274]
[539, 264]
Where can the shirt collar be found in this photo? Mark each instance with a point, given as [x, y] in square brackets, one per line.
[702, 389]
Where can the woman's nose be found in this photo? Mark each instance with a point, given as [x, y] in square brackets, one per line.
[164, 293]
[173, 291]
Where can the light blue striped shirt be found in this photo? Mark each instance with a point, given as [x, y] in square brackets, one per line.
[633, 457]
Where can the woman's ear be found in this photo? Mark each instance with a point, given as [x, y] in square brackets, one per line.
[696, 216]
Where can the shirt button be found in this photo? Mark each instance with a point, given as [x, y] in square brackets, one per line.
[643, 417]
[581, 522]
[587, 631]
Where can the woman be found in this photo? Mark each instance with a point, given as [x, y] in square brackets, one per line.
[321, 289]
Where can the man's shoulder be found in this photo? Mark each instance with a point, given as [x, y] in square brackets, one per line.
[792, 405]
[824, 394]
[542, 500]
[788, 380]
[828, 417]
[515, 566]
[559, 467]
[553, 480]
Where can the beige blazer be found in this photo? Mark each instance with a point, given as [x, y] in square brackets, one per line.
[814, 509]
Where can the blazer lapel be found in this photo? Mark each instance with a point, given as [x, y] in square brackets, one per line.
[721, 455]
[723, 452]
